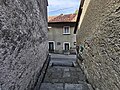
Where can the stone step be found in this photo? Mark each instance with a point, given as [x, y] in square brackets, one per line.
[67, 64]
[66, 86]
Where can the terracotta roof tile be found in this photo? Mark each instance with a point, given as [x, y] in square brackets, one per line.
[63, 18]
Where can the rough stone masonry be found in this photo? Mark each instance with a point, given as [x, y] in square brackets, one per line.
[100, 34]
[23, 42]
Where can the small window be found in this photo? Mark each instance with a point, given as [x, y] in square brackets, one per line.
[66, 30]
[58, 43]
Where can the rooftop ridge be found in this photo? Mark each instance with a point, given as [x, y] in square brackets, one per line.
[63, 18]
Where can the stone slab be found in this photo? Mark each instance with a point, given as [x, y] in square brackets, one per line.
[66, 74]
[73, 87]
[66, 69]
[50, 86]
[76, 87]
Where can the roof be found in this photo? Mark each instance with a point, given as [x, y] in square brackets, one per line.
[63, 18]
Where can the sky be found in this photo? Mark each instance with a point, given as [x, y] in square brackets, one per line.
[57, 7]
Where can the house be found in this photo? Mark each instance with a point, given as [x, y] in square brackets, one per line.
[61, 33]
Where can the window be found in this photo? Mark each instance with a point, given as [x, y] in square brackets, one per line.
[58, 43]
[66, 30]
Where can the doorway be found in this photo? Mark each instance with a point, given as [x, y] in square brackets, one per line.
[66, 46]
[51, 46]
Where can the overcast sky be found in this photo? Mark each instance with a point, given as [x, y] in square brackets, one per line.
[56, 7]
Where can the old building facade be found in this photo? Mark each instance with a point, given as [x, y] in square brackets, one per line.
[61, 33]
[23, 42]
[99, 33]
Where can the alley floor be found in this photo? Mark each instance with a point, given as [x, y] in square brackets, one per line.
[64, 74]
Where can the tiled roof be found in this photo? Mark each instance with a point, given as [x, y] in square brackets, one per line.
[63, 18]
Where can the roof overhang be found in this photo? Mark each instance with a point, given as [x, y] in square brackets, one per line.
[47, 2]
[79, 14]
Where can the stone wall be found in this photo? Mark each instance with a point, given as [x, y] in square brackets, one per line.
[100, 34]
[23, 42]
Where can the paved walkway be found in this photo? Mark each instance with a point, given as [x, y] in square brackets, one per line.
[64, 74]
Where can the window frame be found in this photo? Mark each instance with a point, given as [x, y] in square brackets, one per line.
[64, 30]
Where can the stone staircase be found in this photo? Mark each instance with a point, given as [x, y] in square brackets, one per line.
[61, 76]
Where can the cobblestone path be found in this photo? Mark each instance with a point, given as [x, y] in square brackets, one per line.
[64, 74]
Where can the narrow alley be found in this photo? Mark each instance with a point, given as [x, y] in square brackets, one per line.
[64, 74]
[39, 40]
